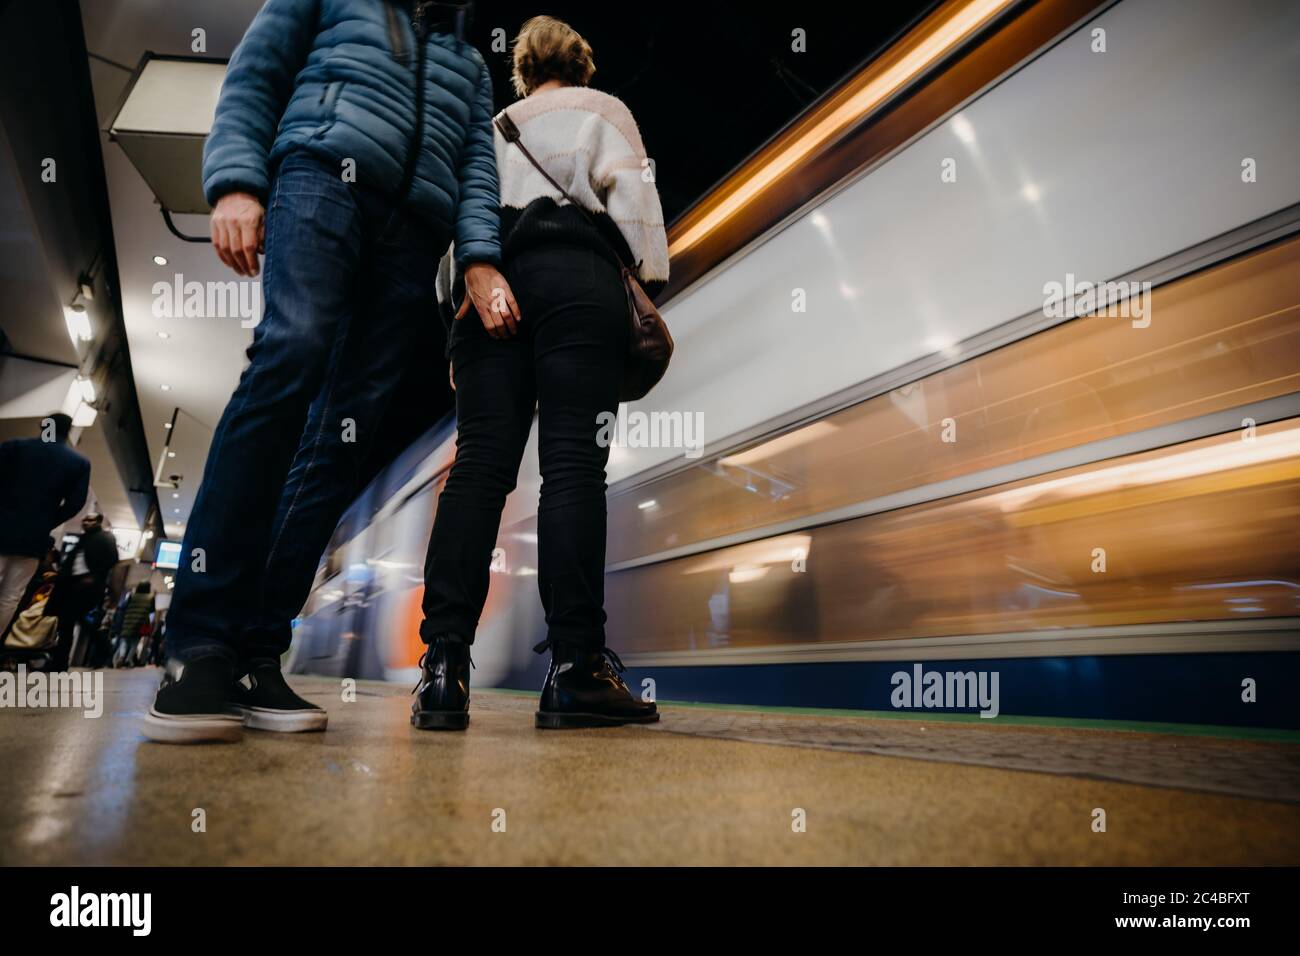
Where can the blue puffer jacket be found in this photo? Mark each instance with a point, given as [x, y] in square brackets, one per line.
[338, 78]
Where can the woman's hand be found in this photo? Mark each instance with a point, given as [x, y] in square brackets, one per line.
[490, 294]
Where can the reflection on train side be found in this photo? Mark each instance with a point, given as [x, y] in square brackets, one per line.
[362, 618]
[1219, 339]
[1201, 531]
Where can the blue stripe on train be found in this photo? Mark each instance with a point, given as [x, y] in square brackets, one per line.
[1174, 688]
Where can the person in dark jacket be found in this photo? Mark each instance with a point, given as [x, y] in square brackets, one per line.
[352, 143]
[43, 483]
[133, 612]
[79, 587]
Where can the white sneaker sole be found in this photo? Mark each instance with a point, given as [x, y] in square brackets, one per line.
[284, 721]
[170, 729]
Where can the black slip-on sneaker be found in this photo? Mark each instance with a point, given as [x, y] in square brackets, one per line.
[267, 702]
[193, 704]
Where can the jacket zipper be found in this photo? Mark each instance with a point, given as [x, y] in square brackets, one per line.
[396, 35]
[413, 146]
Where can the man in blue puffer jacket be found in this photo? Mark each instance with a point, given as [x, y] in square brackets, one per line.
[353, 143]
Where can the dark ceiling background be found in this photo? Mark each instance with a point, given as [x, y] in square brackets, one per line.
[708, 82]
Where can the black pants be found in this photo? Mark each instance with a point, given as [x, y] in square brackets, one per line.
[567, 359]
[71, 601]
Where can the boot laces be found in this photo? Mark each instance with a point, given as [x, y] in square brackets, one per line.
[610, 658]
[613, 659]
[420, 664]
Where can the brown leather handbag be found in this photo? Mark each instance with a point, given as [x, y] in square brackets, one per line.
[650, 346]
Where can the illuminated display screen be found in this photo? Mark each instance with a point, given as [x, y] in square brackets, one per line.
[169, 554]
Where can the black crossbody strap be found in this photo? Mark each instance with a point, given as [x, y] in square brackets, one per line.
[511, 133]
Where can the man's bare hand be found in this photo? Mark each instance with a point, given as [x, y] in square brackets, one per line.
[238, 231]
[489, 292]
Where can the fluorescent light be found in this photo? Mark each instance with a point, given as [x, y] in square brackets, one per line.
[81, 392]
[962, 127]
[171, 454]
[647, 504]
[167, 424]
[84, 416]
[78, 323]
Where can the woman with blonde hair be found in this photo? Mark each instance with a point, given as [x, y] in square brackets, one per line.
[558, 345]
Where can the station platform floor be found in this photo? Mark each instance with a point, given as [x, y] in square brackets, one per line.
[707, 785]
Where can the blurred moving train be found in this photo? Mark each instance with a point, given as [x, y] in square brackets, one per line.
[997, 354]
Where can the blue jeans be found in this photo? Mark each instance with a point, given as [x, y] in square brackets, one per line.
[346, 277]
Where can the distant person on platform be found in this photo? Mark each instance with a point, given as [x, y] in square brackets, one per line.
[352, 144]
[43, 483]
[79, 587]
[134, 611]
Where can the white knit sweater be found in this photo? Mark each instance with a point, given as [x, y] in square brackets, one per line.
[589, 142]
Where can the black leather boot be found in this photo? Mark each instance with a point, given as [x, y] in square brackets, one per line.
[442, 695]
[583, 689]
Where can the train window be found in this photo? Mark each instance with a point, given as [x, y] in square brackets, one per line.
[382, 532]
[334, 555]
